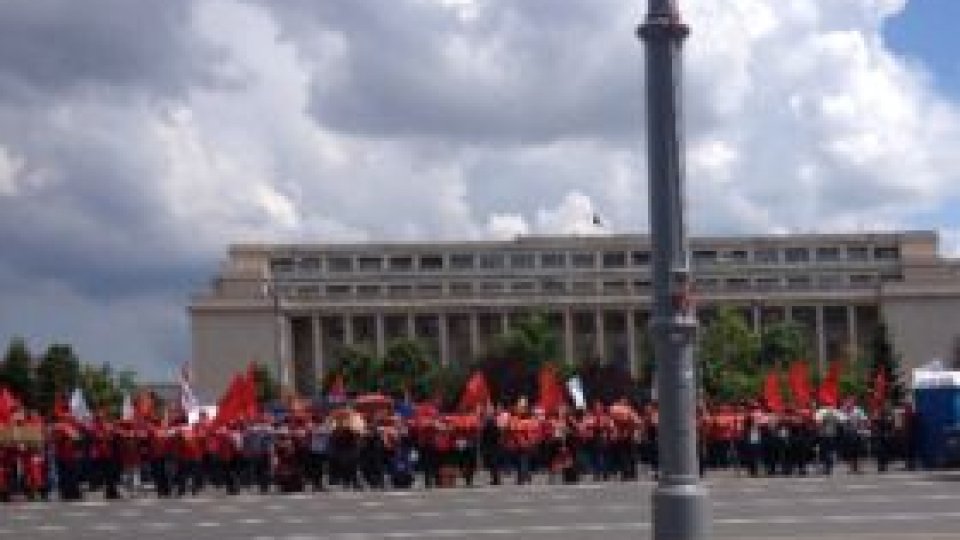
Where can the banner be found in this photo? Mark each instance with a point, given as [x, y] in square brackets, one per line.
[771, 392]
[575, 387]
[476, 393]
[799, 380]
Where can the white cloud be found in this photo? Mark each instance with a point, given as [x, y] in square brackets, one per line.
[448, 119]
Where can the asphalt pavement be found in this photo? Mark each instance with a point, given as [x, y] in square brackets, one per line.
[902, 506]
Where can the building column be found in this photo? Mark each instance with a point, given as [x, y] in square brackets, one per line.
[348, 329]
[757, 319]
[411, 326]
[318, 367]
[443, 335]
[821, 341]
[568, 342]
[854, 339]
[788, 313]
[380, 333]
[474, 335]
[632, 342]
[601, 342]
[504, 322]
[284, 350]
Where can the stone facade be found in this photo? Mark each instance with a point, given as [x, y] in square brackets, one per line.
[292, 307]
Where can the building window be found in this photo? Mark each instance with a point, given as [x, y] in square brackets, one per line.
[340, 264]
[861, 279]
[886, 253]
[831, 281]
[583, 259]
[338, 291]
[796, 255]
[370, 264]
[553, 286]
[281, 264]
[431, 263]
[461, 261]
[429, 289]
[798, 282]
[891, 277]
[706, 284]
[768, 283]
[491, 261]
[584, 287]
[523, 260]
[491, 286]
[310, 291]
[640, 258]
[553, 260]
[642, 286]
[737, 284]
[704, 256]
[828, 254]
[858, 253]
[399, 290]
[310, 264]
[523, 286]
[767, 256]
[401, 263]
[615, 287]
[461, 288]
[368, 291]
[737, 256]
[614, 259]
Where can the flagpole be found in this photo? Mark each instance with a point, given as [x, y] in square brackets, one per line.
[681, 507]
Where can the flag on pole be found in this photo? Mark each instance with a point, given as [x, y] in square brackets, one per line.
[799, 380]
[575, 387]
[8, 405]
[878, 394]
[78, 405]
[476, 393]
[771, 392]
[126, 411]
[551, 395]
[829, 392]
[188, 400]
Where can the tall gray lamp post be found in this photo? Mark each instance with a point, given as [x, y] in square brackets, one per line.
[681, 507]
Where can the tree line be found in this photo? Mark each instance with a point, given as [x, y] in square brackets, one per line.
[38, 380]
[732, 360]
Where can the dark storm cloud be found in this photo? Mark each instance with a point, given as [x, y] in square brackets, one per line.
[505, 72]
[56, 46]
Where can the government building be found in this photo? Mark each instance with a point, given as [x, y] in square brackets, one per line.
[293, 307]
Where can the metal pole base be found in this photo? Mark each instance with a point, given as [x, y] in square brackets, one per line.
[681, 512]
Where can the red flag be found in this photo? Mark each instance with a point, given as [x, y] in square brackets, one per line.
[771, 392]
[8, 405]
[61, 409]
[829, 392]
[799, 379]
[338, 390]
[143, 407]
[230, 406]
[879, 393]
[476, 393]
[552, 394]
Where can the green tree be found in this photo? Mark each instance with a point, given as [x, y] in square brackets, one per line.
[58, 373]
[728, 350]
[530, 340]
[361, 370]
[406, 367]
[881, 356]
[783, 342]
[267, 387]
[16, 372]
[104, 388]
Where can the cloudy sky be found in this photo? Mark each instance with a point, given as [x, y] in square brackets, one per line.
[138, 139]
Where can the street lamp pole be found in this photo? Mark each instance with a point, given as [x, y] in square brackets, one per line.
[681, 507]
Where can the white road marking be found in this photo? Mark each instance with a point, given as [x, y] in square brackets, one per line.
[159, 525]
[208, 524]
[106, 527]
[177, 510]
[51, 528]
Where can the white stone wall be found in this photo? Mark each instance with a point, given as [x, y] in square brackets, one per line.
[225, 343]
[922, 328]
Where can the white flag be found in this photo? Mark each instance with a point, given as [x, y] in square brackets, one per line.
[188, 400]
[126, 412]
[78, 405]
[575, 387]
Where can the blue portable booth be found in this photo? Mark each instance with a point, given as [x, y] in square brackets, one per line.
[936, 396]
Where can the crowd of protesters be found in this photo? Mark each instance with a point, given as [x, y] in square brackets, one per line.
[379, 447]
